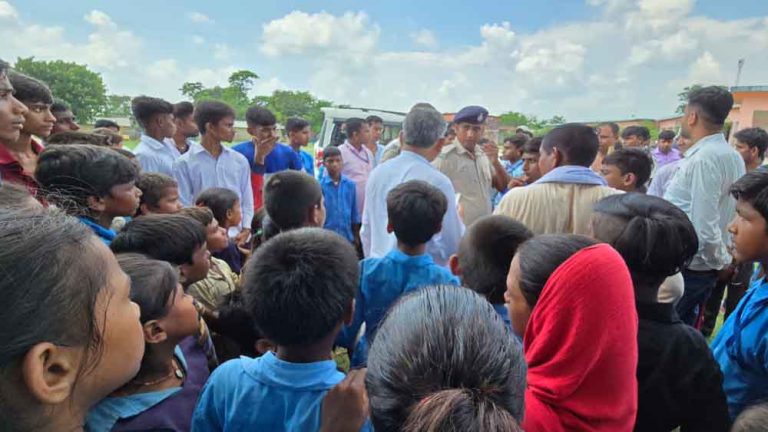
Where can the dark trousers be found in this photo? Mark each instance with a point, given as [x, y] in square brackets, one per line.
[698, 285]
[737, 286]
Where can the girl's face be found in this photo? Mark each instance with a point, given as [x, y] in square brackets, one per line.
[122, 338]
[181, 320]
[216, 237]
[39, 120]
[519, 311]
[750, 237]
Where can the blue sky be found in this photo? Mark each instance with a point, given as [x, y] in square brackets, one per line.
[584, 59]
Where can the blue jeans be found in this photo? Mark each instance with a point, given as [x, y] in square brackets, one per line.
[698, 285]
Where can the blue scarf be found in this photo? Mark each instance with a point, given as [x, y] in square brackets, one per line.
[572, 174]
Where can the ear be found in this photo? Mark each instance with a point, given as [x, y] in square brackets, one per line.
[453, 264]
[154, 332]
[315, 216]
[96, 204]
[558, 156]
[390, 228]
[144, 210]
[264, 346]
[183, 273]
[50, 371]
[349, 313]
[629, 179]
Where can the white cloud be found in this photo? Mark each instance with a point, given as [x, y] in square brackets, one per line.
[199, 18]
[705, 70]
[425, 39]
[222, 52]
[198, 40]
[7, 11]
[99, 19]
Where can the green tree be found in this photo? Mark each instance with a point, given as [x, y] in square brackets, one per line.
[235, 94]
[513, 118]
[117, 106]
[286, 103]
[81, 88]
[653, 128]
[556, 120]
[682, 97]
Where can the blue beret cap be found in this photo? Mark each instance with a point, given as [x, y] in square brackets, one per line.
[472, 115]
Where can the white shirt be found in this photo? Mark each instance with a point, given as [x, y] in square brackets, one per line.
[407, 166]
[700, 188]
[156, 156]
[197, 170]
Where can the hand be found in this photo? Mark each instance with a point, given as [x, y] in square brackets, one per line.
[263, 147]
[491, 150]
[345, 407]
[242, 237]
[516, 182]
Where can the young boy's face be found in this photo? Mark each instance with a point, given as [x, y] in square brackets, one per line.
[263, 133]
[376, 131]
[11, 112]
[749, 154]
[65, 122]
[216, 237]
[182, 317]
[333, 165]
[170, 202]
[198, 269]
[510, 153]
[224, 129]
[165, 124]
[632, 141]
[234, 215]
[531, 166]
[665, 145]
[300, 138]
[38, 120]
[123, 200]
[187, 126]
[615, 179]
[750, 238]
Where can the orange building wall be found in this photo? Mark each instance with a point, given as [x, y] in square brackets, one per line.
[750, 110]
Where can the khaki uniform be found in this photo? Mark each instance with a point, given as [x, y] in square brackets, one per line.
[472, 177]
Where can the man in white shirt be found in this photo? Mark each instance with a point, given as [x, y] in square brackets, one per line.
[700, 188]
[423, 140]
[155, 116]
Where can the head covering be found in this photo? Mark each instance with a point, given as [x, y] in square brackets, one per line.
[581, 347]
[472, 115]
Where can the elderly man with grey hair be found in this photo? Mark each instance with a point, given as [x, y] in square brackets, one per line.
[423, 139]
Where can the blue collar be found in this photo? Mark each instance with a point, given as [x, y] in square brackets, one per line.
[326, 179]
[271, 370]
[572, 174]
[714, 139]
[105, 234]
[398, 256]
[407, 154]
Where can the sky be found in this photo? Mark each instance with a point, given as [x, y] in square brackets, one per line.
[581, 59]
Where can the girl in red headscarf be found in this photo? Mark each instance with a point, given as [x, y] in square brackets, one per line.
[573, 302]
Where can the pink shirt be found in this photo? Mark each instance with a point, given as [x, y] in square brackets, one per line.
[357, 165]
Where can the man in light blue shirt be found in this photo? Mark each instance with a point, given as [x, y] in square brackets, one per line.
[423, 140]
[700, 188]
[155, 116]
[212, 164]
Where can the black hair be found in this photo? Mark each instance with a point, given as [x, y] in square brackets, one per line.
[105, 123]
[299, 285]
[667, 135]
[69, 175]
[183, 109]
[753, 188]
[713, 103]
[641, 132]
[295, 124]
[124, 152]
[415, 210]
[533, 145]
[113, 138]
[752, 419]
[219, 200]
[634, 161]
[353, 125]
[486, 251]
[331, 151]
[655, 238]
[76, 137]
[614, 127]
[518, 140]
[145, 107]
[371, 119]
[540, 256]
[153, 284]
[577, 142]
[30, 90]
[211, 112]
[173, 238]
[236, 324]
[289, 196]
[754, 137]
[259, 116]
[153, 187]
[52, 271]
[443, 360]
[200, 214]
[59, 107]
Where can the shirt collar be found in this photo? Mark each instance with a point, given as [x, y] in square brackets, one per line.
[326, 179]
[155, 144]
[6, 157]
[661, 312]
[709, 140]
[106, 234]
[197, 149]
[398, 256]
[268, 368]
[411, 155]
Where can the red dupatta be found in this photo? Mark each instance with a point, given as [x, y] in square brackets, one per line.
[581, 347]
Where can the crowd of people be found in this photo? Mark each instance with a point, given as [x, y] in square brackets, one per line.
[439, 282]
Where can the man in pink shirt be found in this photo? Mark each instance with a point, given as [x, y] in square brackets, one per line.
[357, 160]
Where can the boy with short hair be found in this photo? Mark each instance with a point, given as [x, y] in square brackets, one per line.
[293, 200]
[751, 144]
[530, 160]
[106, 124]
[95, 184]
[159, 194]
[300, 308]
[636, 137]
[664, 153]
[186, 128]
[741, 347]
[298, 131]
[512, 154]
[484, 255]
[339, 192]
[376, 124]
[627, 169]
[212, 164]
[155, 116]
[18, 158]
[415, 210]
[65, 119]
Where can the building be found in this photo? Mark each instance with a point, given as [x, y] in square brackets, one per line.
[750, 107]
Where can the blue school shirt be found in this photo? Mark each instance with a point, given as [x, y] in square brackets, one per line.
[741, 349]
[503, 312]
[340, 206]
[382, 281]
[265, 394]
[105, 234]
[308, 162]
[281, 158]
